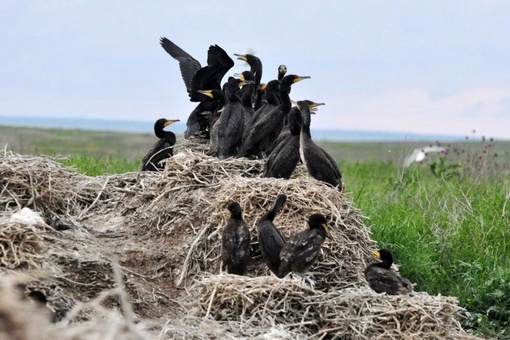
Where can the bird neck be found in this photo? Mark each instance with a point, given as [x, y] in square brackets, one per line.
[305, 124]
[162, 134]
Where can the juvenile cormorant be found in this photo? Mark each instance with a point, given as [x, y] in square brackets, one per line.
[268, 126]
[194, 75]
[270, 239]
[302, 250]
[383, 280]
[162, 149]
[229, 127]
[235, 252]
[318, 162]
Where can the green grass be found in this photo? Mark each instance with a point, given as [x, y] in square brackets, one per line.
[450, 234]
[446, 221]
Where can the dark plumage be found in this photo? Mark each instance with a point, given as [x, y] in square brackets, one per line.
[162, 149]
[264, 131]
[229, 127]
[302, 250]
[216, 103]
[319, 164]
[271, 241]
[246, 94]
[255, 66]
[235, 242]
[260, 93]
[194, 75]
[383, 280]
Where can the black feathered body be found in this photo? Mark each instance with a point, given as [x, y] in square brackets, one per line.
[160, 151]
[270, 240]
[300, 252]
[383, 280]
[319, 164]
[235, 243]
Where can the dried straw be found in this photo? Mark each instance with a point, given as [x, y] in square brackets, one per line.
[164, 229]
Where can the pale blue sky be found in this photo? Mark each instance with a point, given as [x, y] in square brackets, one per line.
[404, 66]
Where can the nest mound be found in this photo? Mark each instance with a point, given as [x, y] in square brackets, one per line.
[154, 239]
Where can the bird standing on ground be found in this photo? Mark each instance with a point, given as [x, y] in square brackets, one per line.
[235, 241]
[162, 149]
[302, 250]
[384, 280]
[271, 241]
[319, 164]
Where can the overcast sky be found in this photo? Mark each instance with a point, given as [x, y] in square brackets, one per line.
[401, 66]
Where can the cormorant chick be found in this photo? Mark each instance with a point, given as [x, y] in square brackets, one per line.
[271, 241]
[301, 252]
[235, 242]
[162, 149]
[383, 280]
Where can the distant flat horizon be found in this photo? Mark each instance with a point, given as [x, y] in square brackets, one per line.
[141, 126]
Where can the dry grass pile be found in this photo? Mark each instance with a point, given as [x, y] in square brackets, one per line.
[21, 244]
[262, 305]
[164, 229]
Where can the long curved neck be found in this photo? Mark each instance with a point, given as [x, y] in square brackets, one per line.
[305, 127]
[168, 135]
[285, 99]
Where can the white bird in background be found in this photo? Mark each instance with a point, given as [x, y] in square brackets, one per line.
[27, 216]
[419, 154]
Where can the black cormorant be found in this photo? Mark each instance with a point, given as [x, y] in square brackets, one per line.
[383, 280]
[162, 149]
[264, 131]
[302, 250]
[235, 253]
[194, 75]
[229, 127]
[270, 239]
[319, 164]
[255, 66]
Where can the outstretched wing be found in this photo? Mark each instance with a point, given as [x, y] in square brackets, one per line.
[189, 66]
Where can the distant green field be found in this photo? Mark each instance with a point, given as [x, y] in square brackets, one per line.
[447, 220]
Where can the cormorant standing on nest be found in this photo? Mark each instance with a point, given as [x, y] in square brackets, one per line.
[318, 162]
[230, 125]
[302, 250]
[162, 149]
[268, 126]
[235, 252]
[383, 280]
[271, 241]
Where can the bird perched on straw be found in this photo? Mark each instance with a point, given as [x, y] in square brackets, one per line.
[384, 280]
[235, 242]
[271, 241]
[302, 250]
